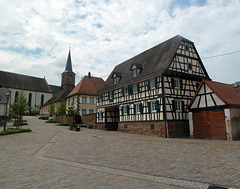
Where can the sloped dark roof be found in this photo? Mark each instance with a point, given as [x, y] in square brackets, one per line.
[59, 97]
[18, 81]
[88, 85]
[155, 60]
[55, 89]
[68, 67]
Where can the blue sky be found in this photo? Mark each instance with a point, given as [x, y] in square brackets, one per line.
[35, 35]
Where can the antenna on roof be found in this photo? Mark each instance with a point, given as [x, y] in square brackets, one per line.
[69, 46]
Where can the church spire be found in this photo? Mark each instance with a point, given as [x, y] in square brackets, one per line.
[69, 63]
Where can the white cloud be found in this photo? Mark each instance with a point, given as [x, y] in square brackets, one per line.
[105, 33]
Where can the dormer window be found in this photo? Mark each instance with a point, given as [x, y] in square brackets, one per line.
[116, 77]
[136, 69]
[134, 72]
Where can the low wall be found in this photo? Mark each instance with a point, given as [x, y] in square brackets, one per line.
[90, 120]
[63, 119]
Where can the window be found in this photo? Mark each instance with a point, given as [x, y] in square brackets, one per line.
[100, 115]
[178, 106]
[42, 100]
[152, 84]
[84, 99]
[114, 80]
[125, 110]
[186, 47]
[91, 100]
[135, 88]
[134, 72]
[30, 99]
[91, 111]
[138, 108]
[100, 98]
[153, 106]
[111, 95]
[16, 96]
[73, 100]
[176, 83]
[84, 112]
[69, 102]
[126, 91]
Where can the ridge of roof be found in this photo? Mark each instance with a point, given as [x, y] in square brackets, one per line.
[20, 81]
[87, 85]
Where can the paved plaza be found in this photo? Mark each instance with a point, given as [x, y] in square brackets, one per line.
[55, 157]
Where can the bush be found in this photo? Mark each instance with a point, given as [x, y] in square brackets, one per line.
[20, 123]
[13, 131]
[51, 121]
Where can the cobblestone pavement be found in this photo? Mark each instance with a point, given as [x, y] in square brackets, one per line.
[54, 157]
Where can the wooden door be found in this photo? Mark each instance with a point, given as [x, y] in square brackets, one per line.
[209, 124]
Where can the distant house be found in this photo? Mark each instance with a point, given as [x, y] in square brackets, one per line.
[36, 89]
[61, 92]
[83, 96]
[215, 111]
[149, 93]
[3, 101]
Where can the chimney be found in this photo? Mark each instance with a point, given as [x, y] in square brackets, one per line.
[89, 74]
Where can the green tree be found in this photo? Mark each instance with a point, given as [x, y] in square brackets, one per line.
[71, 111]
[51, 109]
[62, 108]
[20, 106]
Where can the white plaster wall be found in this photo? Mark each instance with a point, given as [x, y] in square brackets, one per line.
[190, 116]
[235, 122]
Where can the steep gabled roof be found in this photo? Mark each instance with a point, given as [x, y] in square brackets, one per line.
[55, 89]
[18, 81]
[154, 61]
[88, 85]
[68, 67]
[225, 92]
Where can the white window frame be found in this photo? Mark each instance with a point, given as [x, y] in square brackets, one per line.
[83, 101]
[178, 105]
[154, 106]
[125, 112]
[135, 88]
[138, 109]
[91, 100]
[176, 83]
[152, 83]
[134, 72]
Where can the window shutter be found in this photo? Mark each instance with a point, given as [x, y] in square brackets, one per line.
[127, 109]
[183, 108]
[135, 109]
[130, 89]
[123, 91]
[141, 108]
[181, 83]
[122, 110]
[149, 107]
[155, 82]
[174, 105]
[157, 106]
[172, 81]
[113, 94]
[138, 87]
[149, 87]
[108, 95]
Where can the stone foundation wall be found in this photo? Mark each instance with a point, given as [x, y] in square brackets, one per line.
[100, 126]
[145, 128]
[90, 120]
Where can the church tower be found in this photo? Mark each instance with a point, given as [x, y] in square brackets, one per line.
[68, 76]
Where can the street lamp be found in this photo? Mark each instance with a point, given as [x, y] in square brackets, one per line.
[7, 95]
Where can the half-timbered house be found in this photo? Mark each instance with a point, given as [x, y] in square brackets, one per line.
[215, 111]
[148, 93]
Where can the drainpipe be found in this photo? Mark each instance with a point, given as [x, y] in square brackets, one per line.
[164, 108]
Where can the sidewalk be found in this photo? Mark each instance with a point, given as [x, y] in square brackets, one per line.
[55, 157]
